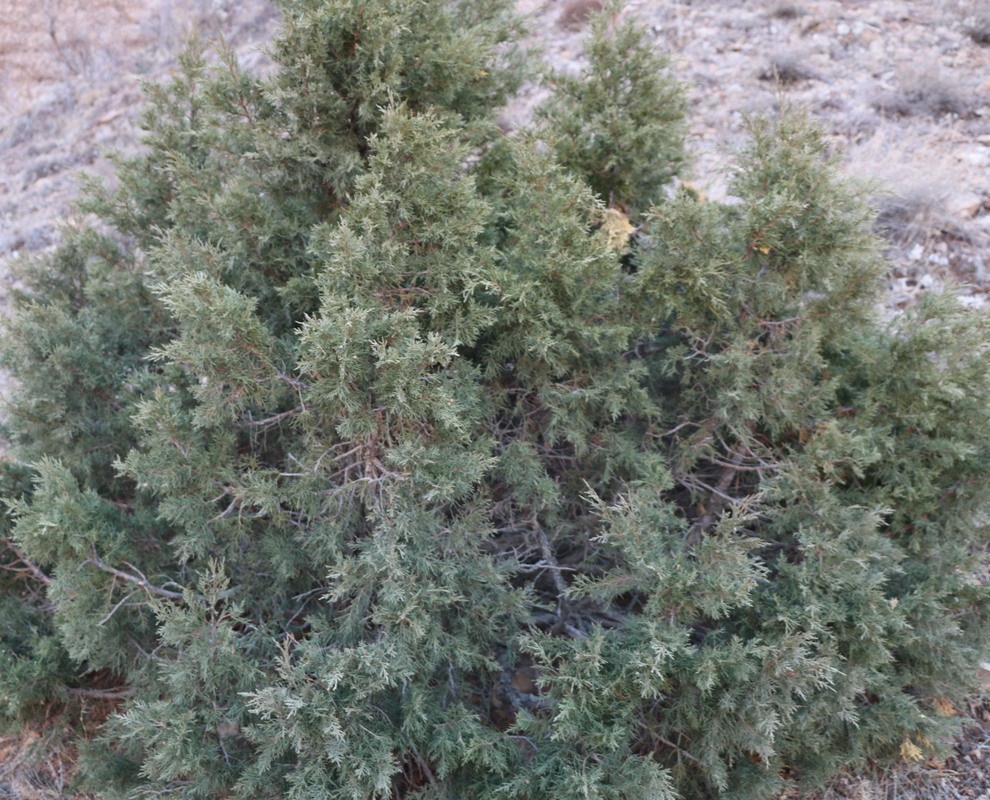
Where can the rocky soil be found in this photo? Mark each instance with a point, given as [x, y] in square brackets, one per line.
[70, 92]
[901, 86]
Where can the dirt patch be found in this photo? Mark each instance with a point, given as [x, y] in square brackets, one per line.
[70, 92]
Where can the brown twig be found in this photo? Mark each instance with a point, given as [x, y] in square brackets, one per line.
[141, 581]
[718, 500]
[33, 568]
[103, 694]
[550, 558]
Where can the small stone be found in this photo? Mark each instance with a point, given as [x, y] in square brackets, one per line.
[966, 204]
[978, 158]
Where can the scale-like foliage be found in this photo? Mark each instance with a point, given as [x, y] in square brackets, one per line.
[620, 123]
[382, 456]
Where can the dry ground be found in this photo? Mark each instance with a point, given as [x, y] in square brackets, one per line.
[70, 90]
[901, 86]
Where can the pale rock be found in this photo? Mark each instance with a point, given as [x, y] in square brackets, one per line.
[977, 158]
[965, 204]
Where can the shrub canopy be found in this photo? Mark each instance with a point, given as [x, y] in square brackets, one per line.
[363, 451]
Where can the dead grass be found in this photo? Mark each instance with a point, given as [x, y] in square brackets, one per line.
[923, 89]
[975, 18]
[37, 766]
[576, 13]
[787, 68]
[911, 187]
[903, 782]
[785, 10]
[912, 211]
[964, 775]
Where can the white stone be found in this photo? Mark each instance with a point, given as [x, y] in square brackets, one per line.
[965, 204]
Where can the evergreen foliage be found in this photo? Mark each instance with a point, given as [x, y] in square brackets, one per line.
[620, 123]
[375, 454]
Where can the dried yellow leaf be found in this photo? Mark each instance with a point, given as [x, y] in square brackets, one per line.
[699, 195]
[910, 751]
[616, 228]
[944, 707]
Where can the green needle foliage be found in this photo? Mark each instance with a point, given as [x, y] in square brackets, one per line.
[371, 453]
[621, 122]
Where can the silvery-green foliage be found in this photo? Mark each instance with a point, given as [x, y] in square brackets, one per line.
[372, 453]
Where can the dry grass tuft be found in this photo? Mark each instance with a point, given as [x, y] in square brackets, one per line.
[923, 89]
[576, 13]
[785, 10]
[37, 766]
[913, 212]
[786, 69]
[911, 193]
[975, 18]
